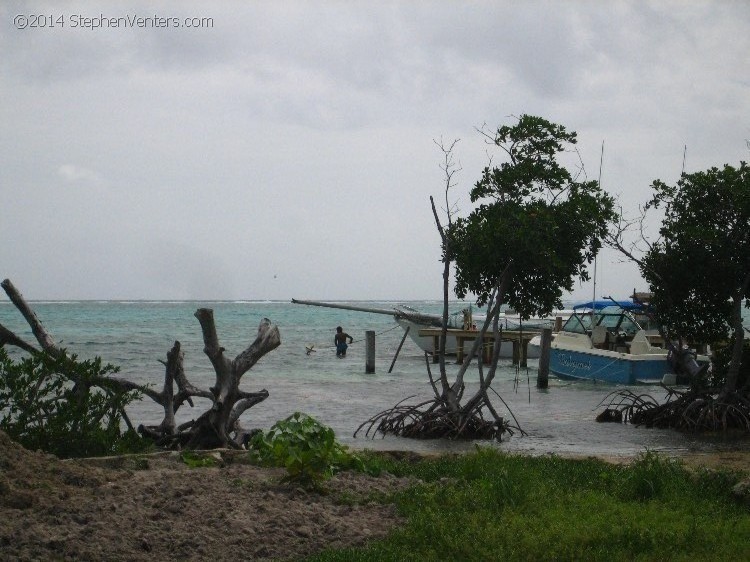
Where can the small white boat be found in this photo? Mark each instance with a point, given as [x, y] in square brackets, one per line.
[508, 321]
[414, 320]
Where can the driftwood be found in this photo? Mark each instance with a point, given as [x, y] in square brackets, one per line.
[219, 426]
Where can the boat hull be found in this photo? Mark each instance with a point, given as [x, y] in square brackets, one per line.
[608, 366]
[425, 343]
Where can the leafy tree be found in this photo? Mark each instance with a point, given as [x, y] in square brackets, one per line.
[699, 271]
[534, 221]
[535, 228]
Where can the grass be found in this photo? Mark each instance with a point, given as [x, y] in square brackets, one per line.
[492, 506]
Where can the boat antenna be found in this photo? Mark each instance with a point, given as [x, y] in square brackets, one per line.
[684, 153]
[593, 299]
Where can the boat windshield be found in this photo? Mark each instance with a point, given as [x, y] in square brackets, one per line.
[580, 323]
[613, 318]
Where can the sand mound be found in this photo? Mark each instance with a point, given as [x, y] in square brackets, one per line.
[156, 507]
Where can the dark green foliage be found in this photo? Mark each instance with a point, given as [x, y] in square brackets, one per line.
[703, 258]
[64, 406]
[699, 272]
[532, 213]
[492, 506]
[305, 447]
[723, 356]
[532, 146]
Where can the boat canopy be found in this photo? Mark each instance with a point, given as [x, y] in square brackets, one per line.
[625, 317]
[599, 305]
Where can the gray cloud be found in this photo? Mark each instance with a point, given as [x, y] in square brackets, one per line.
[287, 150]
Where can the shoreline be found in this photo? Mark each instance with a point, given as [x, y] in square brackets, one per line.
[146, 506]
[738, 460]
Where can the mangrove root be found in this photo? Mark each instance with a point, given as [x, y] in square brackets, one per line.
[689, 410]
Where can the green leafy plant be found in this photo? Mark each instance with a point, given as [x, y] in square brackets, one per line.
[64, 406]
[305, 447]
[198, 460]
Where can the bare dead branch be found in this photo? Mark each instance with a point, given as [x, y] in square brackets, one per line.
[267, 340]
[40, 333]
[8, 337]
[247, 400]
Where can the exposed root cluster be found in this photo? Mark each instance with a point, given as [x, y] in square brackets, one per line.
[691, 410]
[433, 420]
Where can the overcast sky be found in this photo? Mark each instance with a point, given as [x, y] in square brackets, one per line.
[285, 149]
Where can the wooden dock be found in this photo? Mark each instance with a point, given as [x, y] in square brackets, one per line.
[520, 341]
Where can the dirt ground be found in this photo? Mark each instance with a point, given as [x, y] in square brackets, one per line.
[159, 508]
[156, 507]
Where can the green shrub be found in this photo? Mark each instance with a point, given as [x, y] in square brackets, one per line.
[195, 459]
[305, 447]
[61, 406]
[649, 477]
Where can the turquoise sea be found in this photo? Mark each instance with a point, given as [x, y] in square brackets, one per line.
[136, 335]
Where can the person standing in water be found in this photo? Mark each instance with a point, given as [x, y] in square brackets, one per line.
[340, 341]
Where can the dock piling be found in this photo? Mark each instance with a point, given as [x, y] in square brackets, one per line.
[370, 351]
[542, 379]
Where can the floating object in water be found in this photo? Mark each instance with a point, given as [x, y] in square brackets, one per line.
[310, 349]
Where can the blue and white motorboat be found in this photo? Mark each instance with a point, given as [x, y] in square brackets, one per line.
[611, 342]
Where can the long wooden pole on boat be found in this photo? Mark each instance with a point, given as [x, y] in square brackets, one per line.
[417, 317]
[392, 312]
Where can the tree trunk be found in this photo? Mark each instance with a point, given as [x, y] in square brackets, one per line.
[730, 383]
[37, 328]
[213, 428]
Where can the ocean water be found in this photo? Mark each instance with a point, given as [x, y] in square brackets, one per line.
[137, 335]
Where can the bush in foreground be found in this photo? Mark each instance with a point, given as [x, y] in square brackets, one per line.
[305, 447]
[63, 406]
